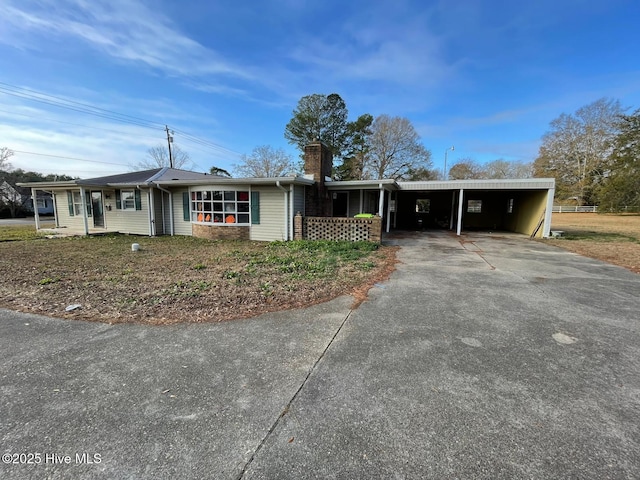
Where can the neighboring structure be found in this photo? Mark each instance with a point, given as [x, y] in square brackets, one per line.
[176, 202]
[18, 200]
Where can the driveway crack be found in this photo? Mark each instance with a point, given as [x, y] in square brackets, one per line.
[285, 410]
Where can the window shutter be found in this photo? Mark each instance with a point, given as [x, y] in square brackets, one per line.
[186, 214]
[255, 208]
[87, 202]
[118, 200]
[138, 199]
[70, 201]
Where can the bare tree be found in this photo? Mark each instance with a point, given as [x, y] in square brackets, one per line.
[158, 157]
[395, 149]
[5, 154]
[576, 151]
[265, 161]
[507, 169]
[466, 169]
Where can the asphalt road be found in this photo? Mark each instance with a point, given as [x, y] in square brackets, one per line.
[496, 357]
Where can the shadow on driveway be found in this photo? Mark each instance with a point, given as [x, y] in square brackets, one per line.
[489, 356]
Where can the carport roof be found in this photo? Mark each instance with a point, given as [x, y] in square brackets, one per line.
[494, 184]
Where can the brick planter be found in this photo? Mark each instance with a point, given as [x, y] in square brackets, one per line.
[217, 232]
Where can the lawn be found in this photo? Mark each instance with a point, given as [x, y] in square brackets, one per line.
[181, 279]
[612, 238]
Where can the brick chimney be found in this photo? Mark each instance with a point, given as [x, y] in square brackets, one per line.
[318, 162]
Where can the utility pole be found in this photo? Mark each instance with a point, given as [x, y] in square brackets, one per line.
[169, 140]
[445, 160]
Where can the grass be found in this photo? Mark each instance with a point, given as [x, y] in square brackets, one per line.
[181, 279]
[612, 238]
[14, 233]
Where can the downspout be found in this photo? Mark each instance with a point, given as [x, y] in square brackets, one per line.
[85, 220]
[152, 214]
[460, 202]
[170, 208]
[286, 208]
[291, 207]
[34, 199]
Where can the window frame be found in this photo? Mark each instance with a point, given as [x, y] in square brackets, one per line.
[217, 205]
[476, 207]
[123, 201]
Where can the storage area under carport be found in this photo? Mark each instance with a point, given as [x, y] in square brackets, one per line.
[522, 206]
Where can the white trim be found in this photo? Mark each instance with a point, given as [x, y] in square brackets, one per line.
[85, 220]
[547, 216]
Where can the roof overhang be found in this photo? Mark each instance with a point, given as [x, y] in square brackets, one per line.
[237, 181]
[512, 184]
[386, 184]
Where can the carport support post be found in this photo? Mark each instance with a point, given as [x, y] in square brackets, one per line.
[460, 201]
[34, 198]
[547, 215]
[381, 202]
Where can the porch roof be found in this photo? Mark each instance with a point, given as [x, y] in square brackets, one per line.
[386, 184]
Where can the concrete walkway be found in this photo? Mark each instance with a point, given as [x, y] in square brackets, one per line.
[494, 357]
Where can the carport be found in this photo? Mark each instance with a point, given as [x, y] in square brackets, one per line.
[522, 205]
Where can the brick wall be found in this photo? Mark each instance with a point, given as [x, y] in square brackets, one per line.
[214, 232]
[318, 161]
[338, 228]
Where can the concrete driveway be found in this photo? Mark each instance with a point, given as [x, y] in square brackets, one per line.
[494, 357]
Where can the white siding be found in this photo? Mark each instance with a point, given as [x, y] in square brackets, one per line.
[74, 222]
[272, 226]
[127, 221]
[166, 221]
[181, 226]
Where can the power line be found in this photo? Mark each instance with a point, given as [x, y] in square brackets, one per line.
[34, 95]
[70, 123]
[68, 158]
[74, 105]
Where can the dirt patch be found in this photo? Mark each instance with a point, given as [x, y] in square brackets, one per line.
[612, 238]
[181, 279]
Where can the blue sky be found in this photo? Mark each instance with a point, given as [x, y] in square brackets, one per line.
[485, 76]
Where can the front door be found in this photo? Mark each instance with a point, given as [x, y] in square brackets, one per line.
[96, 208]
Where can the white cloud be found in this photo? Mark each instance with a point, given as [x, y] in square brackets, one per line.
[109, 146]
[124, 29]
